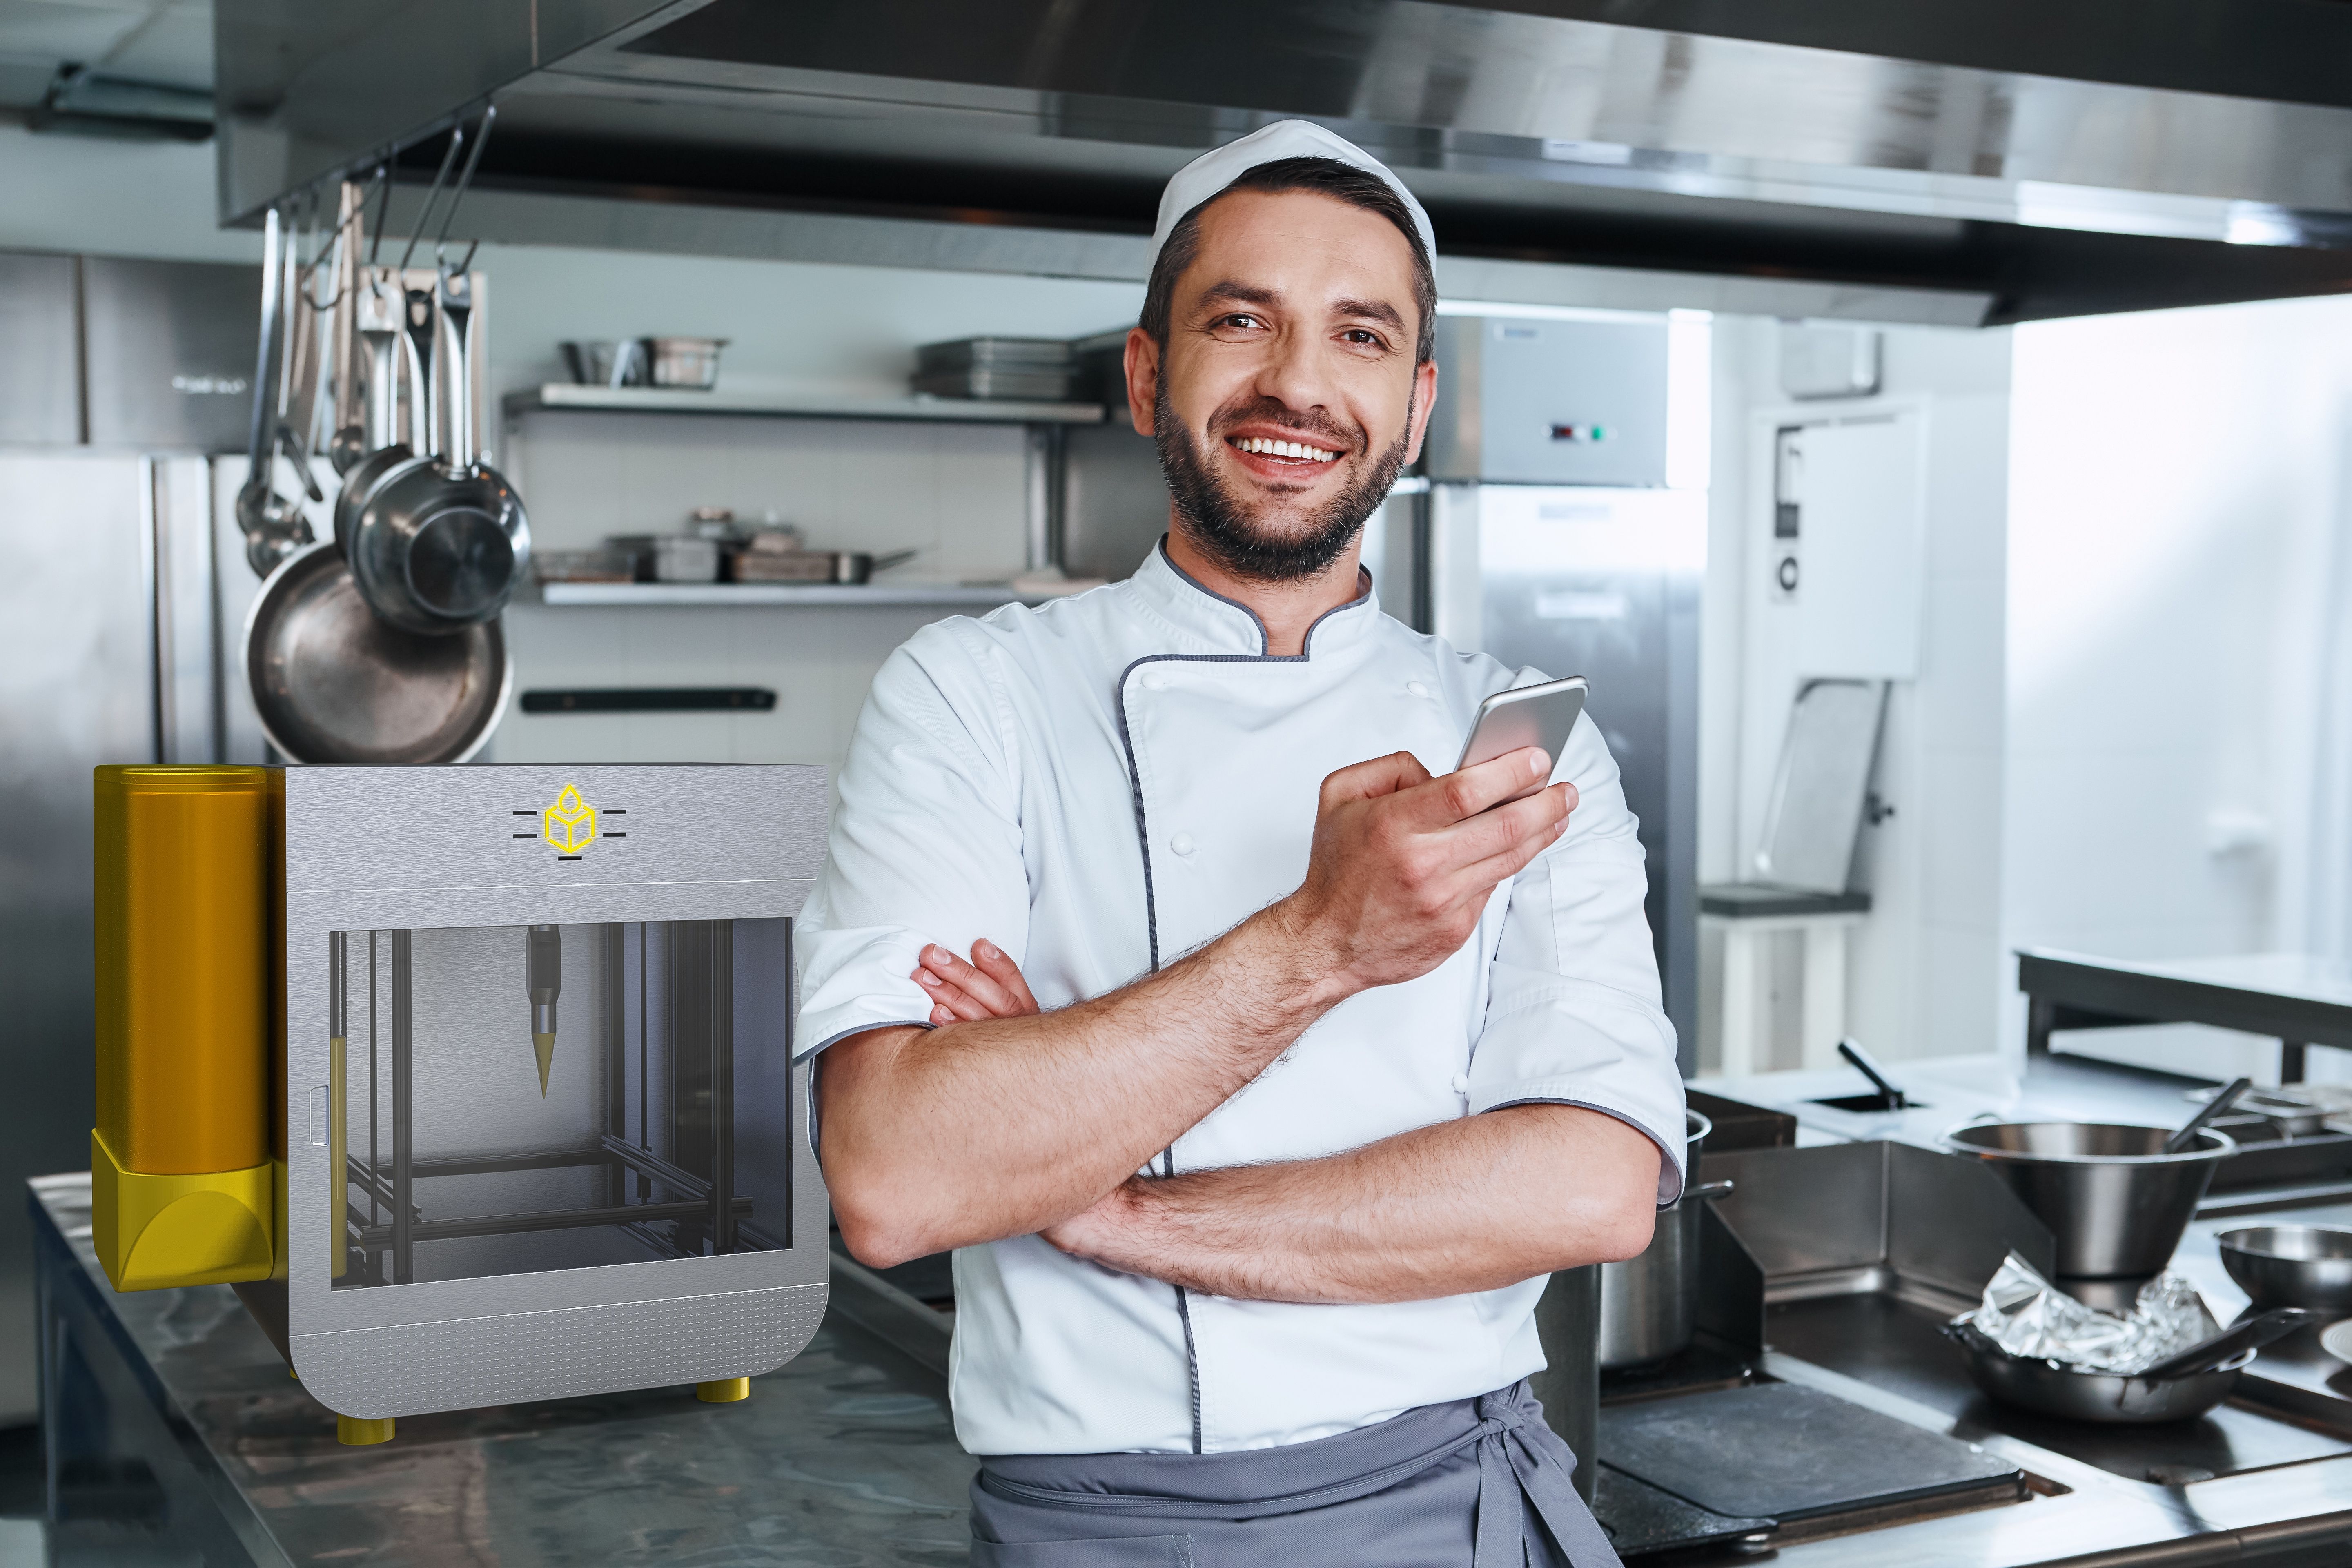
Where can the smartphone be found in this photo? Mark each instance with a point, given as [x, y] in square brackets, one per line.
[1527, 716]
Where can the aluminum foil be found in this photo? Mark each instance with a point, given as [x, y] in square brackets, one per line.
[2027, 1316]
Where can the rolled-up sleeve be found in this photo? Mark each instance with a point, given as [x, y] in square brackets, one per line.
[1572, 1008]
[926, 843]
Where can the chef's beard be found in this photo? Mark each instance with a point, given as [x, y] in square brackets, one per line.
[1239, 539]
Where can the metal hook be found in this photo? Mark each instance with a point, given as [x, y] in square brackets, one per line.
[465, 182]
[328, 247]
[424, 213]
[382, 213]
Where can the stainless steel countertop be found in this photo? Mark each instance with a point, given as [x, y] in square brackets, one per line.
[2226, 1519]
[845, 1456]
[842, 1456]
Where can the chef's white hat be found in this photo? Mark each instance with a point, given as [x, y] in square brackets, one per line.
[1212, 171]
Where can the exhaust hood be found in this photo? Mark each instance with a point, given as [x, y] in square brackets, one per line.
[1939, 162]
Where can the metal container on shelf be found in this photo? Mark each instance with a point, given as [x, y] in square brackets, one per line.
[606, 361]
[1649, 1304]
[669, 557]
[583, 566]
[2114, 1201]
[691, 362]
[1040, 369]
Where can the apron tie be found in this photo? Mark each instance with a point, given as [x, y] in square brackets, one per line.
[1513, 1472]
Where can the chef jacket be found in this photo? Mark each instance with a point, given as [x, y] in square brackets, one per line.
[1099, 787]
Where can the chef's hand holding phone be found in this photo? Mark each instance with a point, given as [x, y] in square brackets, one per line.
[1526, 716]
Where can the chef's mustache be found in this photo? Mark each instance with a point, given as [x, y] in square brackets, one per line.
[1311, 424]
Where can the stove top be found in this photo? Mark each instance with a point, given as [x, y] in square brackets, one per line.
[1894, 1346]
[1699, 1452]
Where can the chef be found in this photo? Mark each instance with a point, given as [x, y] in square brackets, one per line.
[1258, 1071]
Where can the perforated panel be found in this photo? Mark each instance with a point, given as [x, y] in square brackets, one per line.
[471, 1361]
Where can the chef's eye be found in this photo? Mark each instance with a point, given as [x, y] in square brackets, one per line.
[1363, 337]
[1239, 322]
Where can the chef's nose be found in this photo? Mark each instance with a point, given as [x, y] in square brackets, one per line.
[1293, 372]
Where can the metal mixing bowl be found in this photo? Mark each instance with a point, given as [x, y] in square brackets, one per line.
[334, 682]
[2107, 1396]
[2291, 1265]
[2114, 1201]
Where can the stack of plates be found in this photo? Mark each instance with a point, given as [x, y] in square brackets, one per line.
[1021, 370]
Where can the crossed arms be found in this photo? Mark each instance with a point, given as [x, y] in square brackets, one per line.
[1004, 1121]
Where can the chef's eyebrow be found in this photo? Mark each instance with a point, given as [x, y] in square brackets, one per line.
[1234, 292]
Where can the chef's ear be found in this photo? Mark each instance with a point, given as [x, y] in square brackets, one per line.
[1424, 398]
[1142, 380]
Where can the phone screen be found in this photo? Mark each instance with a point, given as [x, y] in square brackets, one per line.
[1530, 716]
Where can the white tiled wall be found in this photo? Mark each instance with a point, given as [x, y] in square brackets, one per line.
[819, 663]
[2177, 602]
[1924, 972]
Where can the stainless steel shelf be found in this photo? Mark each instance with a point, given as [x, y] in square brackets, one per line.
[742, 594]
[564, 397]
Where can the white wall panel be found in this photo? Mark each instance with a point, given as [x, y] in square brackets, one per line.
[2177, 617]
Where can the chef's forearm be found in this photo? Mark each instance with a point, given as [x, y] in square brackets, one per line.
[1463, 1206]
[975, 1131]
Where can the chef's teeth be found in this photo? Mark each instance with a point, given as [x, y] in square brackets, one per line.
[1261, 445]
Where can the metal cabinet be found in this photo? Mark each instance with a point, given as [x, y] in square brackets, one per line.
[168, 352]
[40, 373]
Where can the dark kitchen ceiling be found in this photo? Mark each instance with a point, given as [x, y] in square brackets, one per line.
[1940, 165]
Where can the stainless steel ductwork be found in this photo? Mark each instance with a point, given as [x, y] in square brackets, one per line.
[1930, 162]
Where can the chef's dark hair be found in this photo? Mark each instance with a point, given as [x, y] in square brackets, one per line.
[1329, 176]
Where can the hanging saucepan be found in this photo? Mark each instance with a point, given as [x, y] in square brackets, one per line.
[439, 545]
[395, 323]
[334, 682]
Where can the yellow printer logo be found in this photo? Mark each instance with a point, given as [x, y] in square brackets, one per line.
[570, 825]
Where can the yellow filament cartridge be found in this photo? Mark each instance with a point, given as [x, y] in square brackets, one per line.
[182, 1183]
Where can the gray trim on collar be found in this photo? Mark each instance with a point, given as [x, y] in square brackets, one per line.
[1305, 644]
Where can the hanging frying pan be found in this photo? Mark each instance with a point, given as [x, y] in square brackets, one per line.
[334, 682]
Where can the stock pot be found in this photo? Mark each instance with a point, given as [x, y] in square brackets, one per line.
[1649, 1304]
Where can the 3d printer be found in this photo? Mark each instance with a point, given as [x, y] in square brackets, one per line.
[476, 1083]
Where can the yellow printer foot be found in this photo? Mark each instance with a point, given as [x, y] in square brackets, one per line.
[358, 1431]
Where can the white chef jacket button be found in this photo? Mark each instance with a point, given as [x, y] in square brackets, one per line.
[1462, 1083]
[1153, 681]
[1182, 844]
[1417, 687]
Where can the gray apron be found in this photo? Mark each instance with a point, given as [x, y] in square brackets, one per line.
[1478, 1483]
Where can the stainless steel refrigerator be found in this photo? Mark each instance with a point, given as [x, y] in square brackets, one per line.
[1564, 530]
[1603, 584]
[119, 604]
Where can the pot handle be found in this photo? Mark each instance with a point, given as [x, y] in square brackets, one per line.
[1707, 1192]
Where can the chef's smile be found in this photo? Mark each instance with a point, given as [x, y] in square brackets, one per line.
[1284, 458]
